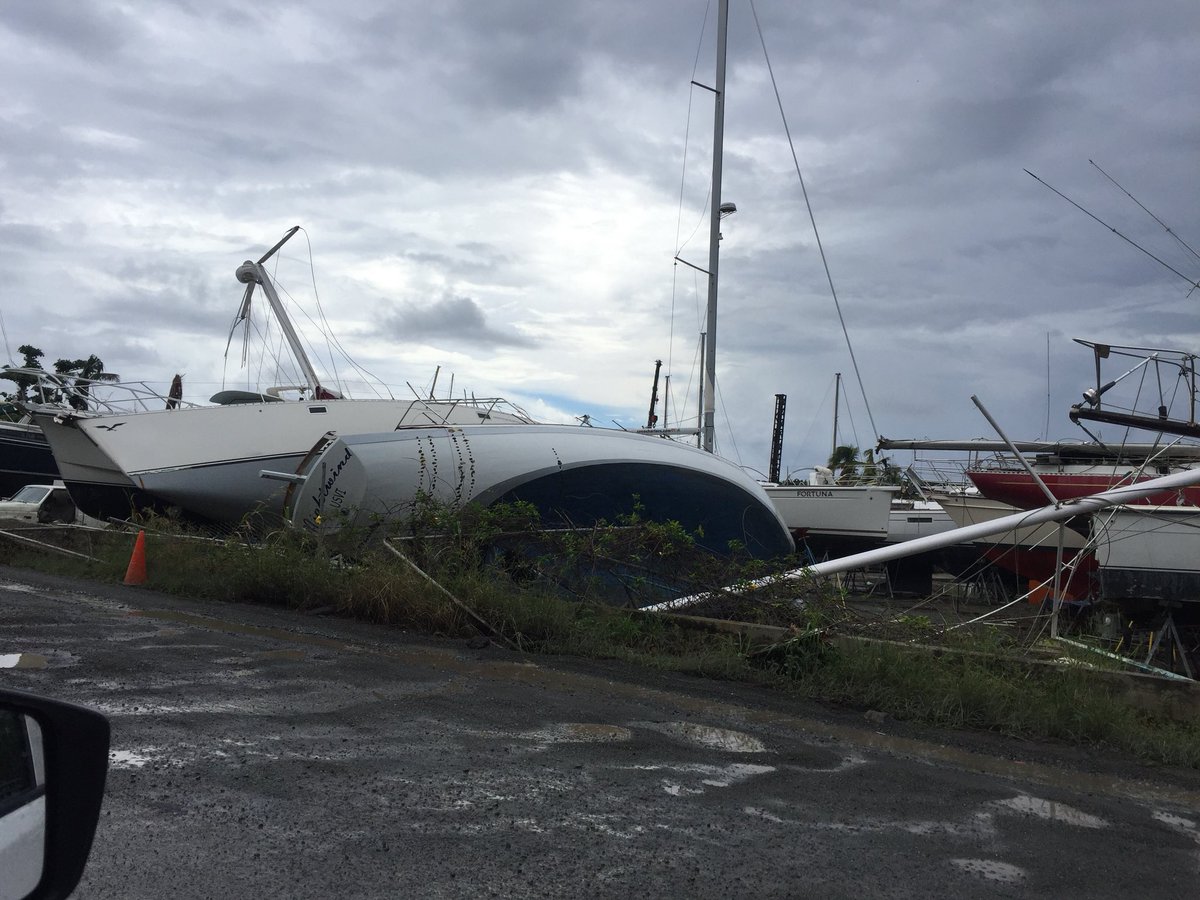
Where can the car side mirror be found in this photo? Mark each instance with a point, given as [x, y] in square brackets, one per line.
[53, 762]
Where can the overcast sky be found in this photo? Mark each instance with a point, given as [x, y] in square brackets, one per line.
[495, 187]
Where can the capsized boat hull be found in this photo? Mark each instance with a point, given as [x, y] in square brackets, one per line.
[574, 476]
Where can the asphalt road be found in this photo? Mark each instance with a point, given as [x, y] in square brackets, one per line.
[262, 753]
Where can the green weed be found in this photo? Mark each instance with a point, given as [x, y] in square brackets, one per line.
[571, 592]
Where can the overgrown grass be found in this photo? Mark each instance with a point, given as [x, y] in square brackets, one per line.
[537, 600]
[997, 694]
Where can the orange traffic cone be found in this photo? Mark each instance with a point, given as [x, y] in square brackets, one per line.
[136, 573]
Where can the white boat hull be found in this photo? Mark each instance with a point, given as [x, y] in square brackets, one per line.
[206, 460]
[858, 511]
[970, 509]
[912, 519]
[574, 476]
[1149, 552]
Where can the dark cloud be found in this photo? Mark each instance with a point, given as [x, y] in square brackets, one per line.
[451, 320]
[472, 152]
[90, 31]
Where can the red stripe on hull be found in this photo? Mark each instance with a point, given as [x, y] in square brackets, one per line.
[1018, 489]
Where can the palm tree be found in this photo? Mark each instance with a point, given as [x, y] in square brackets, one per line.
[844, 462]
[81, 374]
[30, 359]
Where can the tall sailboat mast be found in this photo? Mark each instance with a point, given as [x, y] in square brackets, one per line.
[714, 230]
[837, 399]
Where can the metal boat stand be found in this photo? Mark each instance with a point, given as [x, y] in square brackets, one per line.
[1168, 628]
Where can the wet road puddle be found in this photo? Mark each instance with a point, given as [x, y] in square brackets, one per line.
[23, 661]
[18, 588]
[1050, 811]
[709, 737]
[584, 732]
[1178, 824]
[991, 870]
[703, 776]
[292, 655]
[128, 759]
[581, 733]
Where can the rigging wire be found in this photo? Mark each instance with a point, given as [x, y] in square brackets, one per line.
[370, 378]
[7, 346]
[1045, 436]
[729, 427]
[312, 273]
[812, 218]
[1165, 226]
[812, 423]
[688, 388]
[1194, 284]
[687, 131]
[853, 427]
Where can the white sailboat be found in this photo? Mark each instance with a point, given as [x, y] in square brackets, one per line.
[206, 460]
[832, 516]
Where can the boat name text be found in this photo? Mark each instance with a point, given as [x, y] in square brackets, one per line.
[325, 491]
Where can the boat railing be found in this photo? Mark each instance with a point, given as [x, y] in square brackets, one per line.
[440, 411]
[999, 462]
[822, 476]
[84, 395]
[938, 475]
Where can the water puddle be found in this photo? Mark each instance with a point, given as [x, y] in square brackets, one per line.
[1178, 823]
[17, 588]
[763, 814]
[145, 708]
[708, 737]
[991, 870]
[23, 661]
[579, 733]
[293, 655]
[127, 759]
[678, 790]
[1051, 811]
[709, 776]
[1174, 821]
[585, 732]
[730, 775]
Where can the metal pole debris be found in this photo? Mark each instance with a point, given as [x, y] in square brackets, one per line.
[44, 546]
[1065, 509]
[478, 621]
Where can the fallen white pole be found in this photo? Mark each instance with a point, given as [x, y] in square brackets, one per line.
[1080, 506]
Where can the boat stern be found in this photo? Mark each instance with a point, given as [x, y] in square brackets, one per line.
[326, 495]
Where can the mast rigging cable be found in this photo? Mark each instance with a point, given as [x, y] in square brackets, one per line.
[812, 218]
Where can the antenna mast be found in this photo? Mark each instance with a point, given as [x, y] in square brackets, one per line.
[714, 230]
